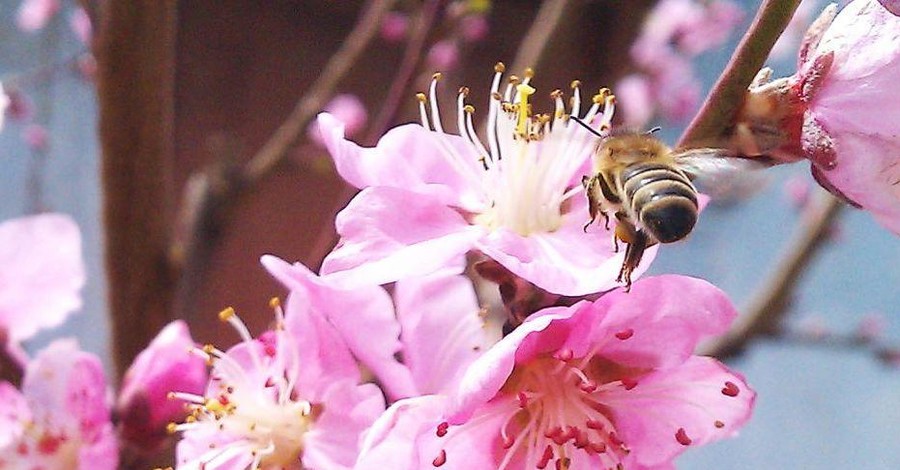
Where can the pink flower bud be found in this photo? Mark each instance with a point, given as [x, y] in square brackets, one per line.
[167, 365]
[474, 27]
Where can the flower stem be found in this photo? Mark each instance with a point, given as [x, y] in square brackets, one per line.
[724, 101]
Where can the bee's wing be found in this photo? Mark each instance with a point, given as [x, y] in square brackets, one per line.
[721, 176]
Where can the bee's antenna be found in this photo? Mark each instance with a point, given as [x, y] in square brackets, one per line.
[587, 126]
[654, 130]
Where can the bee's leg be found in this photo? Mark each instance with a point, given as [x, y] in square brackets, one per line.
[592, 190]
[637, 242]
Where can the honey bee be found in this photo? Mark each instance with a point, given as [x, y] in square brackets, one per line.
[649, 189]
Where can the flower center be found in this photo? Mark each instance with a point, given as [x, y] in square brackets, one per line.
[552, 410]
[251, 400]
[532, 161]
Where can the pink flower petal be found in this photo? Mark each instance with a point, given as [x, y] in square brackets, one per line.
[567, 261]
[408, 157]
[14, 412]
[41, 273]
[700, 396]
[357, 314]
[663, 317]
[395, 439]
[389, 234]
[442, 330]
[334, 440]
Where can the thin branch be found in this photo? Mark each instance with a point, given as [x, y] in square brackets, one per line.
[726, 97]
[768, 307]
[533, 45]
[287, 135]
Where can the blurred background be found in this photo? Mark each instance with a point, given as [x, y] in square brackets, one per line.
[178, 96]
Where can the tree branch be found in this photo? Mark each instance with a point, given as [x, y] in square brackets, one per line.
[769, 306]
[135, 57]
[724, 101]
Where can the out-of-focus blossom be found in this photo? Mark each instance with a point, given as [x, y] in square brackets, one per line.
[34, 14]
[673, 34]
[871, 327]
[443, 55]
[428, 196]
[144, 408]
[4, 105]
[635, 99]
[60, 420]
[796, 190]
[20, 107]
[474, 27]
[87, 66]
[80, 23]
[41, 273]
[838, 110]
[348, 109]
[288, 399]
[36, 136]
[394, 26]
[608, 384]
[790, 39]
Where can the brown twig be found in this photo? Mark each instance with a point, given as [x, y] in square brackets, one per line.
[724, 101]
[769, 306]
[11, 368]
[387, 114]
[533, 45]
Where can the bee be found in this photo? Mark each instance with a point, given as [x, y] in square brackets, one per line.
[649, 189]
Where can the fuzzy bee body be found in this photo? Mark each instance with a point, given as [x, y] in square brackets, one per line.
[640, 181]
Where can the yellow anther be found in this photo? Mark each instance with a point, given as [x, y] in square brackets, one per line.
[274, 302]
[598, 99]
[499, 67]
[171, 428]
[469, 109]
[226, 314]
[464, 90]
[421, 97]
[437, 76]
[496, 96]
[524, 92]
[556, 94]
[208, 349]
[478, 6]
[529, 72]
[213, 405]
[514, 79]
[190, 419]
[575, 84]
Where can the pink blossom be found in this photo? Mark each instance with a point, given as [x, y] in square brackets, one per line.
[636, 100]
[474, 27]
[41, 273]
[35, 14]
[348, 109]
[428, 197]
[434, 313]
[850, 129]
[143, 406]
[605, 384]
[80, 23]
[288, 399]
[61, 418]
